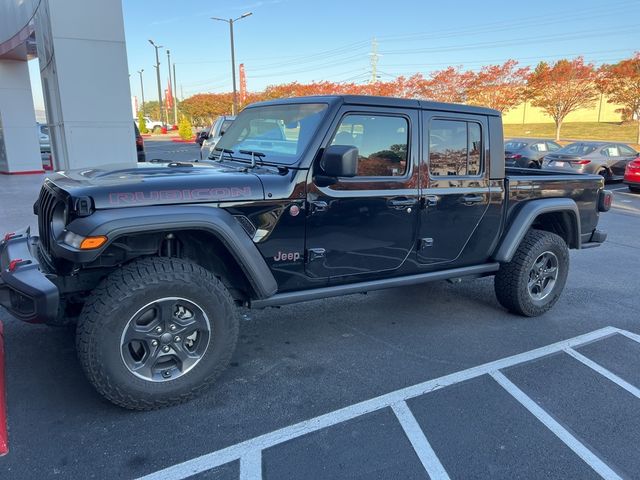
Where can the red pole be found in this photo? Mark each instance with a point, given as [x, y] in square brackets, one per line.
[4, 440]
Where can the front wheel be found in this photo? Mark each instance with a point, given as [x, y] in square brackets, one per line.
[156, 332]
[531, 283]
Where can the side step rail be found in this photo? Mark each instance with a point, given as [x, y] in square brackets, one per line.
[362, 287]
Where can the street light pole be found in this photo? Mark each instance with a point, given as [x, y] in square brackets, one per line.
[233, 56]
[142, 89]
[157, 47]
[172, 88]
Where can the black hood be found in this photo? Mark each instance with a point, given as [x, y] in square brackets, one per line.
[150, 184]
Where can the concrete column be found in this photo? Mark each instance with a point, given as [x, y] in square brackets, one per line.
[19, 140]
[83, 64]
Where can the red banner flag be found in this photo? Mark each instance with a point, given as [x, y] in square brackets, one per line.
[169, 95]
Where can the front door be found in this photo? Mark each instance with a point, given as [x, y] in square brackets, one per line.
[367, 223]
[455, 191]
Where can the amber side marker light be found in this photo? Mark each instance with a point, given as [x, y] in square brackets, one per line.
[91, 243]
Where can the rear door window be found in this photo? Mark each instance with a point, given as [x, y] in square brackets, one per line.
[553, 146]
[539, 147]
[455, 148]
[611, 151]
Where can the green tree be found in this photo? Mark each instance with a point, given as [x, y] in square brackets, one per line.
[184, 128]
[142, 123]
[152, 110]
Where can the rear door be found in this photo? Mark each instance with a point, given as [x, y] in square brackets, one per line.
[366, 224]
[455, 191]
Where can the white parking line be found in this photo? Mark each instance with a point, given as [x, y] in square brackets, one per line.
[419, 441]
[249, 450]
[562, 433]
[604, 372]
[251, 466]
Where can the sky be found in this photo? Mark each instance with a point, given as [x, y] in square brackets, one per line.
[304, 40]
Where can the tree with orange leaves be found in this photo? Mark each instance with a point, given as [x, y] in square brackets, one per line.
[449, 85]
[621, 83]
[562, 88]
[501, 87]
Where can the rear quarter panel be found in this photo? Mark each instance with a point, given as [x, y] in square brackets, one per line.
[583, 189]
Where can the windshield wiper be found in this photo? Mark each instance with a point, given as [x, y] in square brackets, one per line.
[222, 152]
[253, 154]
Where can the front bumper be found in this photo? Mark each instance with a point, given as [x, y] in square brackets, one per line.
[25, 290]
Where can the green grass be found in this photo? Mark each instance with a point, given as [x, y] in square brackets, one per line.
[617, 132]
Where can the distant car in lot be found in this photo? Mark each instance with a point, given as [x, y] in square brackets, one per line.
[527, 152]
[43, 135]
[632, 175]
[150, 124]
[142, 156]
[208, 140]
[608, 159]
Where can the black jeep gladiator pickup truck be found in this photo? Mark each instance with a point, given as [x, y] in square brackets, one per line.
[304, 198]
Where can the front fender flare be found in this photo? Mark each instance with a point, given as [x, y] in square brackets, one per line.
[114, 223]
[525, 217]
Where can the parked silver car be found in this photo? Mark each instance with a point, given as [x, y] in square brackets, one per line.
[603, 158]
[209, 139]
[527, 152]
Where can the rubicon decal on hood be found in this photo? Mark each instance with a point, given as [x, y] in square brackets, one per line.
[168, 196]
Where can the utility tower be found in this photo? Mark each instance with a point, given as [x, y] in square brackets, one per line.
[373, 58]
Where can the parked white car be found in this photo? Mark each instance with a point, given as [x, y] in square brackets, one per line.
[151, 124]
[209, 139]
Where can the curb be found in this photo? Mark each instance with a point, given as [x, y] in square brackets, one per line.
[4, 439]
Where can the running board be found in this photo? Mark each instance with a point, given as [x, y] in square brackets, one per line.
[287, 298]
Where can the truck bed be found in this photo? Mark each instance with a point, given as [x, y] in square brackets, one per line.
[523, 184]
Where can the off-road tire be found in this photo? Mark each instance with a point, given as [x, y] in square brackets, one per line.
[113, 303]
[511, 281]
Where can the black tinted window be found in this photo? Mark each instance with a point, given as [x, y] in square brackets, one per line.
[382, 143]
[455, 148]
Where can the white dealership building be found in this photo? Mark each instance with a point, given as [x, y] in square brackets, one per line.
[80, 46]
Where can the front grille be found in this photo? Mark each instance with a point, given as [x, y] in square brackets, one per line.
[46, 206]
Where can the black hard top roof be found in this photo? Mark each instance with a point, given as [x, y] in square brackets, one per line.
[373, 101]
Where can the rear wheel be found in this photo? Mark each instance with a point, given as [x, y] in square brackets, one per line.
[531, 283]
[156, 332]
[603, 172]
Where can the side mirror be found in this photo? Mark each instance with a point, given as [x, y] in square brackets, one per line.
[340, 161]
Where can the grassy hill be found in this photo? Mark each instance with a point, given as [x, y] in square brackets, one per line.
[617, 132]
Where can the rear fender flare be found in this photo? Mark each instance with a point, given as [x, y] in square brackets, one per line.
[526, 216]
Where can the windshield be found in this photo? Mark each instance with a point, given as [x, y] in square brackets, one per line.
[280, 132]
[578, 149]
[514, 145]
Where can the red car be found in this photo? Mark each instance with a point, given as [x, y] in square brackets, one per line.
[632, 175]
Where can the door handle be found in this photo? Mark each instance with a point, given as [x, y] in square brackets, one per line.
[430, 200]
[318, 206]
[470, 199]
[401, 203]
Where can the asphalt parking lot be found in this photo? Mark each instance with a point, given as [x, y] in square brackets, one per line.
[433, 380]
